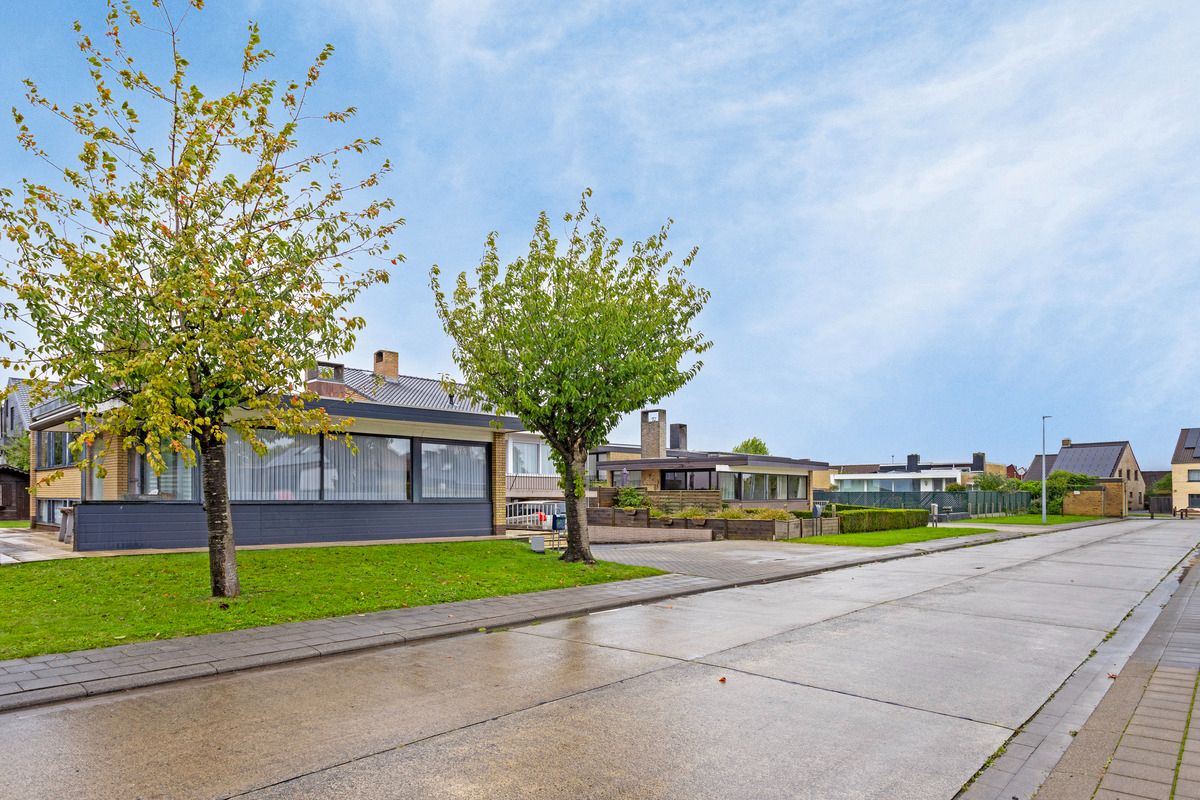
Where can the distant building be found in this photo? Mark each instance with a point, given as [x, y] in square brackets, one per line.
[1098, 459]
[914, 475]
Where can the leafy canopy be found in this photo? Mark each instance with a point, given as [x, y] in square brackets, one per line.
[752, 446]
[572, 336]
[174, 281]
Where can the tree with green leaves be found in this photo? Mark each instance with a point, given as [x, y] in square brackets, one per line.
[989, 482]
[1162, 486]
[752, 446]
[191, 261]
[16, 452]
[572, 336]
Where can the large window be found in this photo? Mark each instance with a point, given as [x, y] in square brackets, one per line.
[1194, 476]
[749, 486]
[381, 470]
[454, 471]
[50, 511]
[54, 449]
[530, 458]
[697, 479]
[289, 470]
[177, 481]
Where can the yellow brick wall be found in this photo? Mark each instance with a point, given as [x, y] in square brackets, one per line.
[1181, 487]
[1088, 502]
[499, 481]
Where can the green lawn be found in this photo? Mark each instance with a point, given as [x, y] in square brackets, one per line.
[887, 538]
[1036, 519]
[55, 606]
[14, 523]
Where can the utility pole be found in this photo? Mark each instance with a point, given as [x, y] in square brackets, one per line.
[1044, 418]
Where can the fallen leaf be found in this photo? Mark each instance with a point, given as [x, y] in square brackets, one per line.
[721, 679]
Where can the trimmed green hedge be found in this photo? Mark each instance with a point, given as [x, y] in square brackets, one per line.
[882, 519]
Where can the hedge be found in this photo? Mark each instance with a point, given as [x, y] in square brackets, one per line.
[883, 519]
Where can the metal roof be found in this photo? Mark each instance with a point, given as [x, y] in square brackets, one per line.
[1098, 459]
[408, 391]
[20, 397]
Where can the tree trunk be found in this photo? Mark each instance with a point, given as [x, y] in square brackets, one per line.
[575, 491]
[222, 557]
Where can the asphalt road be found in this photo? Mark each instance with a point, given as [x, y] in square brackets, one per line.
[894, 680]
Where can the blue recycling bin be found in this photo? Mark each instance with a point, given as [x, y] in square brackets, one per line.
[559, 522]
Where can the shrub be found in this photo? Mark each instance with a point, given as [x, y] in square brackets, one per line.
[657, 513]
[773, 513]
[692, 512]
[956, 487]
[882, 519]
[629, 497]
[730, 513]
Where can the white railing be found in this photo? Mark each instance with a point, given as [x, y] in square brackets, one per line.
[532, 514]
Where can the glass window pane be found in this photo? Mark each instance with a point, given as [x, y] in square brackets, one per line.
[289, 470]
[793, 488]
[379, 471]
[728, 484]
[456, 471]
[546, 465]
[525, 458]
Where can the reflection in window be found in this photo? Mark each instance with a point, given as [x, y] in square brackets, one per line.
[453, 471]
[380, 470]
[289, 470]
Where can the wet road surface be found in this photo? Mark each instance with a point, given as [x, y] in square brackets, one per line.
[894, 680]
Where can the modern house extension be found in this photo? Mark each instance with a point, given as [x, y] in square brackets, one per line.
[428, 464]
[741, 479]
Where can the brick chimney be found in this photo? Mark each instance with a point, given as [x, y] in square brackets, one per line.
[654, 433]
[327, 379]
[1066, 443]
[387, 363]
[978, 462]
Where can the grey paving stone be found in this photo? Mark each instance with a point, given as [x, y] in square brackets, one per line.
[1154, 790]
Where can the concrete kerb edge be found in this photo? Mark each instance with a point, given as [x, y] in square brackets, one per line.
[55, 694]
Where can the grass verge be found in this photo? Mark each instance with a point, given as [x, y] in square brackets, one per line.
[887, 538]
[76, 604]
[1036, 519]
[14, 523]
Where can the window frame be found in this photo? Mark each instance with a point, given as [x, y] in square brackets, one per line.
[419, 473]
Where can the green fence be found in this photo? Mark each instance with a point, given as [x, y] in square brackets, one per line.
[973, 503]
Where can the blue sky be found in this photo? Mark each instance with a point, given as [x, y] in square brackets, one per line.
[924, 225]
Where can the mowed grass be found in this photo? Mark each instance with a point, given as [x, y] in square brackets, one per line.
[76, 604]
[1036, 519]
[888, 538]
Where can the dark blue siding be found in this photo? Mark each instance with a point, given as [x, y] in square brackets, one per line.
[133, 525]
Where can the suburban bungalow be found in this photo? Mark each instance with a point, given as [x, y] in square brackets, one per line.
[428, 464]
[1185, 470]
[1098, 459]
[742, 479]
[914, 475]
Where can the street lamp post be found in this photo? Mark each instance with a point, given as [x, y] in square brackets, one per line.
[1044, 418]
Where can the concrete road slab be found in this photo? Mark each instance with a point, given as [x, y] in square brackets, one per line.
[1058, 604]
[691, 627]
[679, 733]
[990, 670]
[223, 735]
[1102, 575]
[874, 584]
[1122, 555]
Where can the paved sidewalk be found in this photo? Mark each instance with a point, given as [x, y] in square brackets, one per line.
[1143, 740]
[696, 567]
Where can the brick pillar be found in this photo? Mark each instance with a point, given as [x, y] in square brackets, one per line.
[33, 460]
[499, 481]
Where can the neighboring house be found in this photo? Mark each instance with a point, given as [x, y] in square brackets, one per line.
[531, 473]
[14, 493]
[742, 479]
[1185, 470]
[1034, 473]
[914, 475]
[428, 464]
[14, 412]
[1100, 460]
